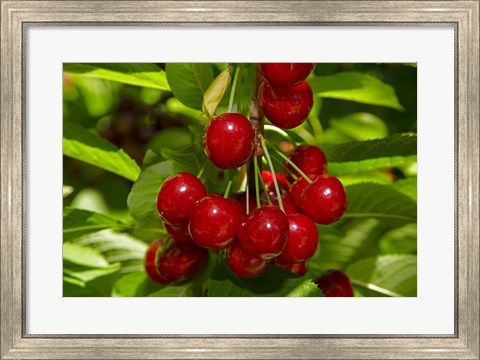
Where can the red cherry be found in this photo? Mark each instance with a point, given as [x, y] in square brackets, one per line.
[178, 196]
[297, 268]
[214, 222]
[180, 261]
[286, 74]
[324, 200]
[309, 158]
[265, 232]
[286, 107]
[335, 283]
[151, 263]
[297, 189]
[228, 140]
[302, 239]
[288, 206]
[243, 264]
[270, 185]
[179, 233]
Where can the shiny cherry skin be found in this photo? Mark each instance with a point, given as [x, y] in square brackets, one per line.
[265, 232]
[243, 264]
[302, 239]
[309, 158]
[228, 140]
[297, 189]
[287, 203]
[180, 261]
[179, 232]
[178, 196]
[286, 74]
[270, 185]
[324, 200]
[214, 222]
[298, 269]
[286, 107]
[151, 263]
[335, 283]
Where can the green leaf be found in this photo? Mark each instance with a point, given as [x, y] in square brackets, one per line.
[142, 200]
[341, 246]
[86, 146]
[134, 284]
[400, 241]
[396, 145]
[183, 159]
[84, 256]
[92, 274]
[189, 82]
[391, 275]
[182, 290]
[215, 93]
[355, 86]
[77, 222]
[145, 75]
[274, 282]
[407, 186]
[369, 200]
[347, 167]
[360, 126]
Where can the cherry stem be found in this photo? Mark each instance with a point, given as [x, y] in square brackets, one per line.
[264, 187]
[272, 170]
[276, 129]
[293, 164]
[227, 190]
[285, 167]
[202, 170]
[257, 188]
[234, 87]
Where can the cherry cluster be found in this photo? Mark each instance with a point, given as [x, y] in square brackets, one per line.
[277, 226]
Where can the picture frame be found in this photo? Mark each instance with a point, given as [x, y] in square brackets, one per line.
[17, 15]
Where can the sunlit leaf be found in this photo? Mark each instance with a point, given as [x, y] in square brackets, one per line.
[144, 74]
[355, 86]
[347, 167]
[84, 256]
[400, 241]
[390, 275]
[86, 146]
[215, 92]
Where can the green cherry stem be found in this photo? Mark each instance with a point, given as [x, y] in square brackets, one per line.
[234, 87]
[264, 187]
[272, 170]
[202, 170]
[257, 188]
[282, 164]
[279, 153]
[227, 190]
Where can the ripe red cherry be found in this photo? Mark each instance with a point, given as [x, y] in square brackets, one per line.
[179, 232]
[241, 199]
[180, 261]
[244, 264]
[265, 232]
[309, 158]
[178, 196]
[286, 74]
[297, 268]
[151, 263]
[228, 140]
[214, 222]
[297, 189]
[286, 107]
[302, 239]
[270, 185]
[324, 200]
[335, 283]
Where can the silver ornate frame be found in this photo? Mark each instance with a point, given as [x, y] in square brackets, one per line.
[16, 15]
